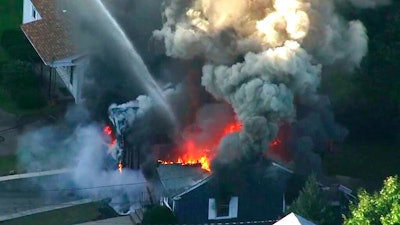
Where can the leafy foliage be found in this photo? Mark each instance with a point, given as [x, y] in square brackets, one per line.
[380, 208]
[311, 204]
[21, 84]
[159, 215]
[17, 46]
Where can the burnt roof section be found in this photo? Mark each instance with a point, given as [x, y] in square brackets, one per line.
[50, 35]
[177, 178]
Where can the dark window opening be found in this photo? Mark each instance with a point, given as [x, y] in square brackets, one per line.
[71, 75]
[222, 207]
[33, 12]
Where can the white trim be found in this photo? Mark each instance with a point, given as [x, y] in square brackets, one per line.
[233, 209]
[34, 174]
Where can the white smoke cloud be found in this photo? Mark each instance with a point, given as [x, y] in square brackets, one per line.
[124, 188]
[262, 56]
[81, 146]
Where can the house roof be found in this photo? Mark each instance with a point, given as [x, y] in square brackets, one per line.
[177, 178]
[50, 35]
[272, 171]
[294, 219]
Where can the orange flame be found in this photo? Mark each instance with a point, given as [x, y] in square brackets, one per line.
[196, 154]
[120, 167]
[109, 132]
[232, 128]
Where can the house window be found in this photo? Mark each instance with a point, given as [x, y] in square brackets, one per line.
[71, 75]
[223, 208]
[34, 13]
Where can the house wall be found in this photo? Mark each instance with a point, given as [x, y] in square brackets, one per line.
[71, 78]
[28, 12]
[256, 202]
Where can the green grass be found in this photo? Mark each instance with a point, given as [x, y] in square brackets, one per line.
[7, 164]
[67, 216]
[368, 161]
[10, 18]
[6, 102]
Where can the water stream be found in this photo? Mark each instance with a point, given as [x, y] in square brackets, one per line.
[136, 63]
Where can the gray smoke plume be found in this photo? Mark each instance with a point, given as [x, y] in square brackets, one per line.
[263, 57]
[80, 145]
[211, 120]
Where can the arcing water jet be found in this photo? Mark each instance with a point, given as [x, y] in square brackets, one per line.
[138, 68]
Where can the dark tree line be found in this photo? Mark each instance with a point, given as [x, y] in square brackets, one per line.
[370, 106]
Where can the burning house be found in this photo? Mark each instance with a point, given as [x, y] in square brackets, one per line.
[245, 87]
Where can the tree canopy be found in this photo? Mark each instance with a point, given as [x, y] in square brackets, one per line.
[312, 204]
[379, 208]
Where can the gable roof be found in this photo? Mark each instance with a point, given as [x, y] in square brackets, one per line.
[272, 171]
[50, 35]
[294, 219]
[177, 178]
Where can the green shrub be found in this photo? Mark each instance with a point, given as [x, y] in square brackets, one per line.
[30, 98]
[21, 84]
[18, 74]
[17, 46]
[159, 215]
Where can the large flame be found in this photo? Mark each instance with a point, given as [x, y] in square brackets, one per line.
[195, 153]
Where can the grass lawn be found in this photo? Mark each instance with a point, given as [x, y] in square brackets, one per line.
[10, 17]
[369, 161]
[67, 216]
[6, 102]
[7, 163]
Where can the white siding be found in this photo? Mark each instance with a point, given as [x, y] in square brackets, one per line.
[71, 80]
[29, 12]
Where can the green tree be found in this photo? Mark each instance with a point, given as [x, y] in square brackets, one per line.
[17, 46]
[312, 204]
[379, 208]
[18, 79]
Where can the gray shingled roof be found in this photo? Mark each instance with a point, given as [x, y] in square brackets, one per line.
[176, 178]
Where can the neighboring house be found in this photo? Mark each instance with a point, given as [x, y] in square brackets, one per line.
[259, 197]
[294, 219]
[46, 27]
